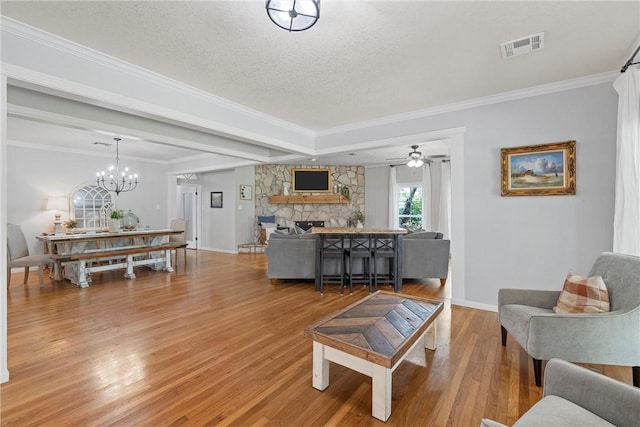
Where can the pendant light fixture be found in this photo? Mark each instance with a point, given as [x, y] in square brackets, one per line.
[293, 15]
[116, 180]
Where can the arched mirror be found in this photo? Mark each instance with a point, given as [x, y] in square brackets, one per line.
[91, 206]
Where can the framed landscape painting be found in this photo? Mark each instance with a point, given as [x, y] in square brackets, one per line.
[539, 170]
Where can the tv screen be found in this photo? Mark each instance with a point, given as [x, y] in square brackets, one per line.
[311, 180]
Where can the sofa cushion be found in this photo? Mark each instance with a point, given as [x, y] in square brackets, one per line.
[292, 236]
[554, 411]
[300, 230]
[583, 295]
[422, 235]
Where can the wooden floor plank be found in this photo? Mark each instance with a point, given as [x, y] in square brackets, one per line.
[216, 344]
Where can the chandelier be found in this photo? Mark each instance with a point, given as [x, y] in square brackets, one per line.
[115, 180]
[415, 158]
[293, 15]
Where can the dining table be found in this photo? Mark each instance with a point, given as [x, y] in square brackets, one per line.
[72, 251]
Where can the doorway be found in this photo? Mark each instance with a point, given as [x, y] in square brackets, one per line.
[188, 206]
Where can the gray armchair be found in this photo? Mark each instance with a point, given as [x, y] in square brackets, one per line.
[611, 338]
[576, 396]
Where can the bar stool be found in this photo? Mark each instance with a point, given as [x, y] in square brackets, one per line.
[383, 246]
[359, 247]
[332, 247]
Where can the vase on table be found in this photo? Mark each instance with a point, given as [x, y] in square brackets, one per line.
[359, 224]
[114, 225]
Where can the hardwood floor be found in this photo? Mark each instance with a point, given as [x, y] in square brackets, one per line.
[216, 344]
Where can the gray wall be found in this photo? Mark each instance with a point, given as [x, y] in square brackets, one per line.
[34, 173]
[218, 224]
[245, 216]
[531, 242]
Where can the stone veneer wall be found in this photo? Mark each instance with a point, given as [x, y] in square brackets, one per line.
[269, 179]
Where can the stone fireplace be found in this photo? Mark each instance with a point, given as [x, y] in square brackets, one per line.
[271, 179]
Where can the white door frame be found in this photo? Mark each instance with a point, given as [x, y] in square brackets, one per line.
[196, 219]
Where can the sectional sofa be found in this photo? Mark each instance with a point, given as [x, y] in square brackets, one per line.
[293, 256]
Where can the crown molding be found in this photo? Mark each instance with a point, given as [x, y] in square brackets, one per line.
[479, 102]
[31, 145]
[51, 40]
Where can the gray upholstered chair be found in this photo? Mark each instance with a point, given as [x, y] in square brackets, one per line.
[576, 396]
[611, 338]
[18, 255]
[179, 225]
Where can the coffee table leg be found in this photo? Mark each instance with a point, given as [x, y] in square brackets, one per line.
[320, 367]
[430, 337]
[381, 395]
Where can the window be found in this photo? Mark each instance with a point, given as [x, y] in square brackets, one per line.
[91, 206]
[409, 205]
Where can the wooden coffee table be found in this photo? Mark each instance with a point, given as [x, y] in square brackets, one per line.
[373, 336]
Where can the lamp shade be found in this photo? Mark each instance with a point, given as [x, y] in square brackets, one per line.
[293, 15]
[57, 204]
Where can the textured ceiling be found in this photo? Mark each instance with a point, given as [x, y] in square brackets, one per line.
[362, 61]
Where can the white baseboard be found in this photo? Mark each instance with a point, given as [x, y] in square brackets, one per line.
[472, 304]
[4, 376]
[226, 251]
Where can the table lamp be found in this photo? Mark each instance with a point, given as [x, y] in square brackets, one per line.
[57, 204]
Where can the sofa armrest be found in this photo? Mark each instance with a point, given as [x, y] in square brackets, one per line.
[607, 338]
[530, 297]
[615, 401]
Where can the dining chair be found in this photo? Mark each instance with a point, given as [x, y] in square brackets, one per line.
[179, 225]
[18, 255]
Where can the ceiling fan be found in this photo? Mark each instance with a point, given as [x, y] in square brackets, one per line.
[415, 159]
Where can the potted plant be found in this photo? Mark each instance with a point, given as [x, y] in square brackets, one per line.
[70, 224]
[359, 219]
[114, 221]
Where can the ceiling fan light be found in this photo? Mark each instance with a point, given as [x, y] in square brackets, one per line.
[293, 15]
[411, 163]
[418, 163]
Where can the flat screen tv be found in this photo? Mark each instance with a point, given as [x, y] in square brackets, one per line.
[311, 180]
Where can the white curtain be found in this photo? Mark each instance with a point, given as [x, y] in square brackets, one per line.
[393, 199]
[444, 220]
[426, 196]
[626, 219]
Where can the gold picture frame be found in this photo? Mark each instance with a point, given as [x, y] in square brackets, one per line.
[539, 170]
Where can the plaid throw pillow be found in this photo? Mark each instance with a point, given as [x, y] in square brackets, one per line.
[583, 295]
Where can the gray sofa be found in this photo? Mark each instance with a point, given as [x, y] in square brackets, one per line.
[576, 396]
[425, 255]
[293, 256]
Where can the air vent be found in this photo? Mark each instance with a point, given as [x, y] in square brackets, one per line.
[522, 46]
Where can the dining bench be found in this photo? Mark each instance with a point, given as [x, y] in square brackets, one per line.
[78, 266]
